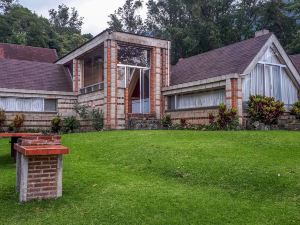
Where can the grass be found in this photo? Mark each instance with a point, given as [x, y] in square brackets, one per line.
[167, 177]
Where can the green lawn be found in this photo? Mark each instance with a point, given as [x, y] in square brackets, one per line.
[167, 177]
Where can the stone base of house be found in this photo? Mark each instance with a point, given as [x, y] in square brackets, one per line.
[143, 122]
[193, 116]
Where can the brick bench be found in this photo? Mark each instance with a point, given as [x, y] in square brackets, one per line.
[39, 167]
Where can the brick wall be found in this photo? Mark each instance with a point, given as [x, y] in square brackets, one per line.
[42, 177]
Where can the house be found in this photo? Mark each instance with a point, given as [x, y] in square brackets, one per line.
[129, 78]
[230, 75]
[119, 73]
[33, 84]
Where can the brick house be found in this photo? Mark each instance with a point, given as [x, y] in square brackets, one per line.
[129, 78]
[230, 75]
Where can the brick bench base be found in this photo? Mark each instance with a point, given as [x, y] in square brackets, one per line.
[39, 168]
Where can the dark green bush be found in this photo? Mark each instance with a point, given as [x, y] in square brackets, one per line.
[166, 121]
[265, 109]
[17, 122]
[97, 118]
[296, 110]
[56, 124]
[226, 119]
[70, 124]
[2, 118]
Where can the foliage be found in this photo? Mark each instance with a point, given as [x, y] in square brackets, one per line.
[70, 124]
[296, 109]
[198, 26]
[20, 25]
[126, 17]
[97, 118]
[265, 109]
[17, 122]
[56, 124]
[166, 121]
[82, 110]
[66, 20]
[225, 120]
[2, 118]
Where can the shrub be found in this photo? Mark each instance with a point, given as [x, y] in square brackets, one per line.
[166, 121]
[183, 123]
[2, 118]
[265, 109]
[17, 122]
[225, 120]
[82, 110]
[56, 124]
[296, 110]
[70, 124]
[97, 118]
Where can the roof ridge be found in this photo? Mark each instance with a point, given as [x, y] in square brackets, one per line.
[29, 61]
[27, 46]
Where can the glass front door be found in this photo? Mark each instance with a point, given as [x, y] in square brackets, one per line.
[137, 80]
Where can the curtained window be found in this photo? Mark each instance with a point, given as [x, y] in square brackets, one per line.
[28, 104]
[269, 78]
[196, 100]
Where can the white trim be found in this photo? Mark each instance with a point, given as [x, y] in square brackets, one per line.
[131, 66]
[271, 64]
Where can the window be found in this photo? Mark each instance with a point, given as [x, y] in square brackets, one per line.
[134, 56]
[28, 104]
[271, 81]
[196, 100]
[50, 105]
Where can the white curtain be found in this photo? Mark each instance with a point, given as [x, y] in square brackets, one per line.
[22, 104]
[201, 99]
[271, 81]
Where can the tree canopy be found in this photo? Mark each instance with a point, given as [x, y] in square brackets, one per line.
[19, 25]
[196, 26]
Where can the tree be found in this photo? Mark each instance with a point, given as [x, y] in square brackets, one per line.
[127, 19]
[66, 20]
[5, 5]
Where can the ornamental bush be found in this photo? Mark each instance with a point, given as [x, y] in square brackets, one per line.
[296, 110]
[18, 122]
[70, 124]
[97, 118]
[166, 121]
[56, 124]
[2, 118]
[226, 119]
[265, 110]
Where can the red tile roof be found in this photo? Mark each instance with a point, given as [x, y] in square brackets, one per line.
[222, 61]
[21, 52]
[22, 74]
[296, 61]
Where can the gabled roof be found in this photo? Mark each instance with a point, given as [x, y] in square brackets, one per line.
[22, 74]
[234, 58]
[296, 61]
[21, 52]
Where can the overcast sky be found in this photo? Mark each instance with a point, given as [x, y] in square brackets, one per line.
[95, 12]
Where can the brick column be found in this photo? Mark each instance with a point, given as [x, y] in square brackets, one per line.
[234, 97]
[77, 75]
[158, 78]
[110, 84]
[152, 81]
[39, 167]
